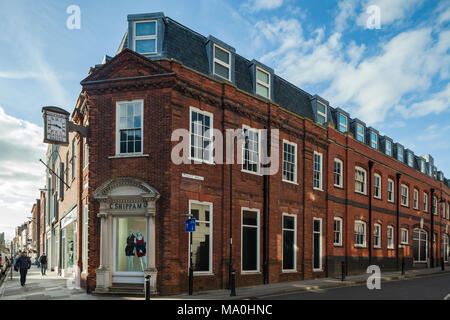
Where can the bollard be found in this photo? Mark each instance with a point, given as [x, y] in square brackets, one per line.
[147, 287]
[343, 270]
[233, 283]
[403, 266]
[442, 264]
[191, 281]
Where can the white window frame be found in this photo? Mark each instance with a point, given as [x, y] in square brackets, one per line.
[404, 187]
[403, 232]
[295, 241]
[211, 121]
[321, 113]
[341, 224]
[258, 131]
[364, 192]
[425, 202]
[390, 245]
[259, 82]
[358, 125]
[341, 175]
[416, 199]
[443, 209]
[374, 142]
[258, 244]
[148, 37]
[340, 123]
[211, 240]
[85, 154]
[375, 227]
[223, 64]
[390, 148]
[391, 182]
[295, 162]
[118, 104]
[363, 245]
[375, 187]
[321, 245]
[420, 240]
[320, 155]
[435, 206]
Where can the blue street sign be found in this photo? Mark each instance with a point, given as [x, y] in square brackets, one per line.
[190, 225]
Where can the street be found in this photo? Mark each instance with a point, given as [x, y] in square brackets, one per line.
[436, 287]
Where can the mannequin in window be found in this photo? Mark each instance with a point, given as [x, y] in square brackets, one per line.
[129, 249]
[140, 249]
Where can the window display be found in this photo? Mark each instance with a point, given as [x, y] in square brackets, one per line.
[131, 249]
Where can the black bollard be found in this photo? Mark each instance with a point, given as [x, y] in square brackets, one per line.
[343, 270]
[147, 287]
[403, 266]
[191, 281]
[233, 283]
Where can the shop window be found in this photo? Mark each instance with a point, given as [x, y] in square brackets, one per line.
[131, 246]
[289, 242]
[202, 237]
[250, 241]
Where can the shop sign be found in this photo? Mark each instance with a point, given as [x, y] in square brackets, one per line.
[69, 218]
[128, 206]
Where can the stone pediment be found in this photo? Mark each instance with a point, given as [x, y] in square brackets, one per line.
[125, 187]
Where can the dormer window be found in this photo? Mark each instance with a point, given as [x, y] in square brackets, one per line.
[145, 36]
[262, 83]
[321, 113]
[422, 166]
[388, 150]
[222, 62]
[360, 132]
[400, 154]
[410, 159]
[373, 140]
[342, 126]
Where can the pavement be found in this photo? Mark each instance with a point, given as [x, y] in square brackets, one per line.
[54, 287]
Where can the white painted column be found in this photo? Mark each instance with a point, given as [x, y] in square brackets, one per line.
[102, 241]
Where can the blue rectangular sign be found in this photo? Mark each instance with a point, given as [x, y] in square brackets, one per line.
[190, 225]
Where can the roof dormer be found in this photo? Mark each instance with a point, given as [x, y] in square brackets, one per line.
[320, 108]
[359, 130]
[262, 80]
[145, 33]
[221, 57]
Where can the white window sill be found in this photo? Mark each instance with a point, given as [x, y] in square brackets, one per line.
[404, 205]
[338, 186]
[200, 161]
[318, 270]
[318, 189]
[377, 247]
[201, 273]
[250, 272]
[291, 182]
[391, 201]
[362, 193]
[360, 246]
[131, 155]
[379, 198]
[405, 243]
[251, 172]
[390, 248]
[289, 271]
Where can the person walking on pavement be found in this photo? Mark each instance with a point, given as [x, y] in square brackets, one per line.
[23, 264]
[43, 262]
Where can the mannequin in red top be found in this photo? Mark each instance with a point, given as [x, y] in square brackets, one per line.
[140, 249]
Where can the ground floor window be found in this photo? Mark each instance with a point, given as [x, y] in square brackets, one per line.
[420, 244]
[317, 244]
[250, 240]
[390, 237]
[377, 235]
[289, 241]
[445, 247]
[338, 231]
[68, 246]
[201, 238]
[131, 246]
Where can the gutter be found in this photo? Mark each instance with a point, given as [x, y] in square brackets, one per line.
[397, 247]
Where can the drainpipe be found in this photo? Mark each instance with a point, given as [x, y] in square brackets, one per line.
[397, 247]
[432, 229]
[370, 211]
[266, 208]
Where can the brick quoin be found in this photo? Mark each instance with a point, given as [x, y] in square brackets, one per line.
[168, 97]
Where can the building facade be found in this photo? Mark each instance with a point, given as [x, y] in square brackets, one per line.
[340, 192]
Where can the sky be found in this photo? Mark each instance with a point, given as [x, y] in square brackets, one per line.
[386, 62]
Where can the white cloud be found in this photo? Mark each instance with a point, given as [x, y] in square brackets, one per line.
[434, 132]
[257, 5]
[346, 11]
[391, 11]
[21, 173]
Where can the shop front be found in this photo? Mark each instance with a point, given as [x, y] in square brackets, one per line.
[127, 240]
[69, 243]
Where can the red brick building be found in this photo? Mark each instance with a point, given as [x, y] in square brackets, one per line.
[341, 193]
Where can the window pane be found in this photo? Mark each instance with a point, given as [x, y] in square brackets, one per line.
[320, 108]
[262, 76]
[288, 222]
[146, 29]
[146, 46]
[249, 248]
[250, 218]
[131, 244]
[221, 70]
[262, 91]
[222, 55]
[288, 250]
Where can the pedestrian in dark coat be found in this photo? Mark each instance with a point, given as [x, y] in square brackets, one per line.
[23, 264]
[43, 262]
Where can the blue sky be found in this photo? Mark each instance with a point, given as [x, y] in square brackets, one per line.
[395, 78]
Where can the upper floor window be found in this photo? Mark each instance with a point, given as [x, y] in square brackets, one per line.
[425, 202]
[443, 210]
[377, 235]
[373, 140]
[388, 148]
[86, 153]
[360, 234]
[321, 113]
[377, 186]
[263, 83]
[390, 190]
[145, 37]
[222, 62]
[360, 180]
[435, 206]
[289, 162]
[342, 125]
[129, 124]
[410, 159]
[416, 199]
[74, 156]
[201, 135]
[405, 196]
[318, 171]
[251, 150]
[338, 173]
[400, 154]
[360, 132]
